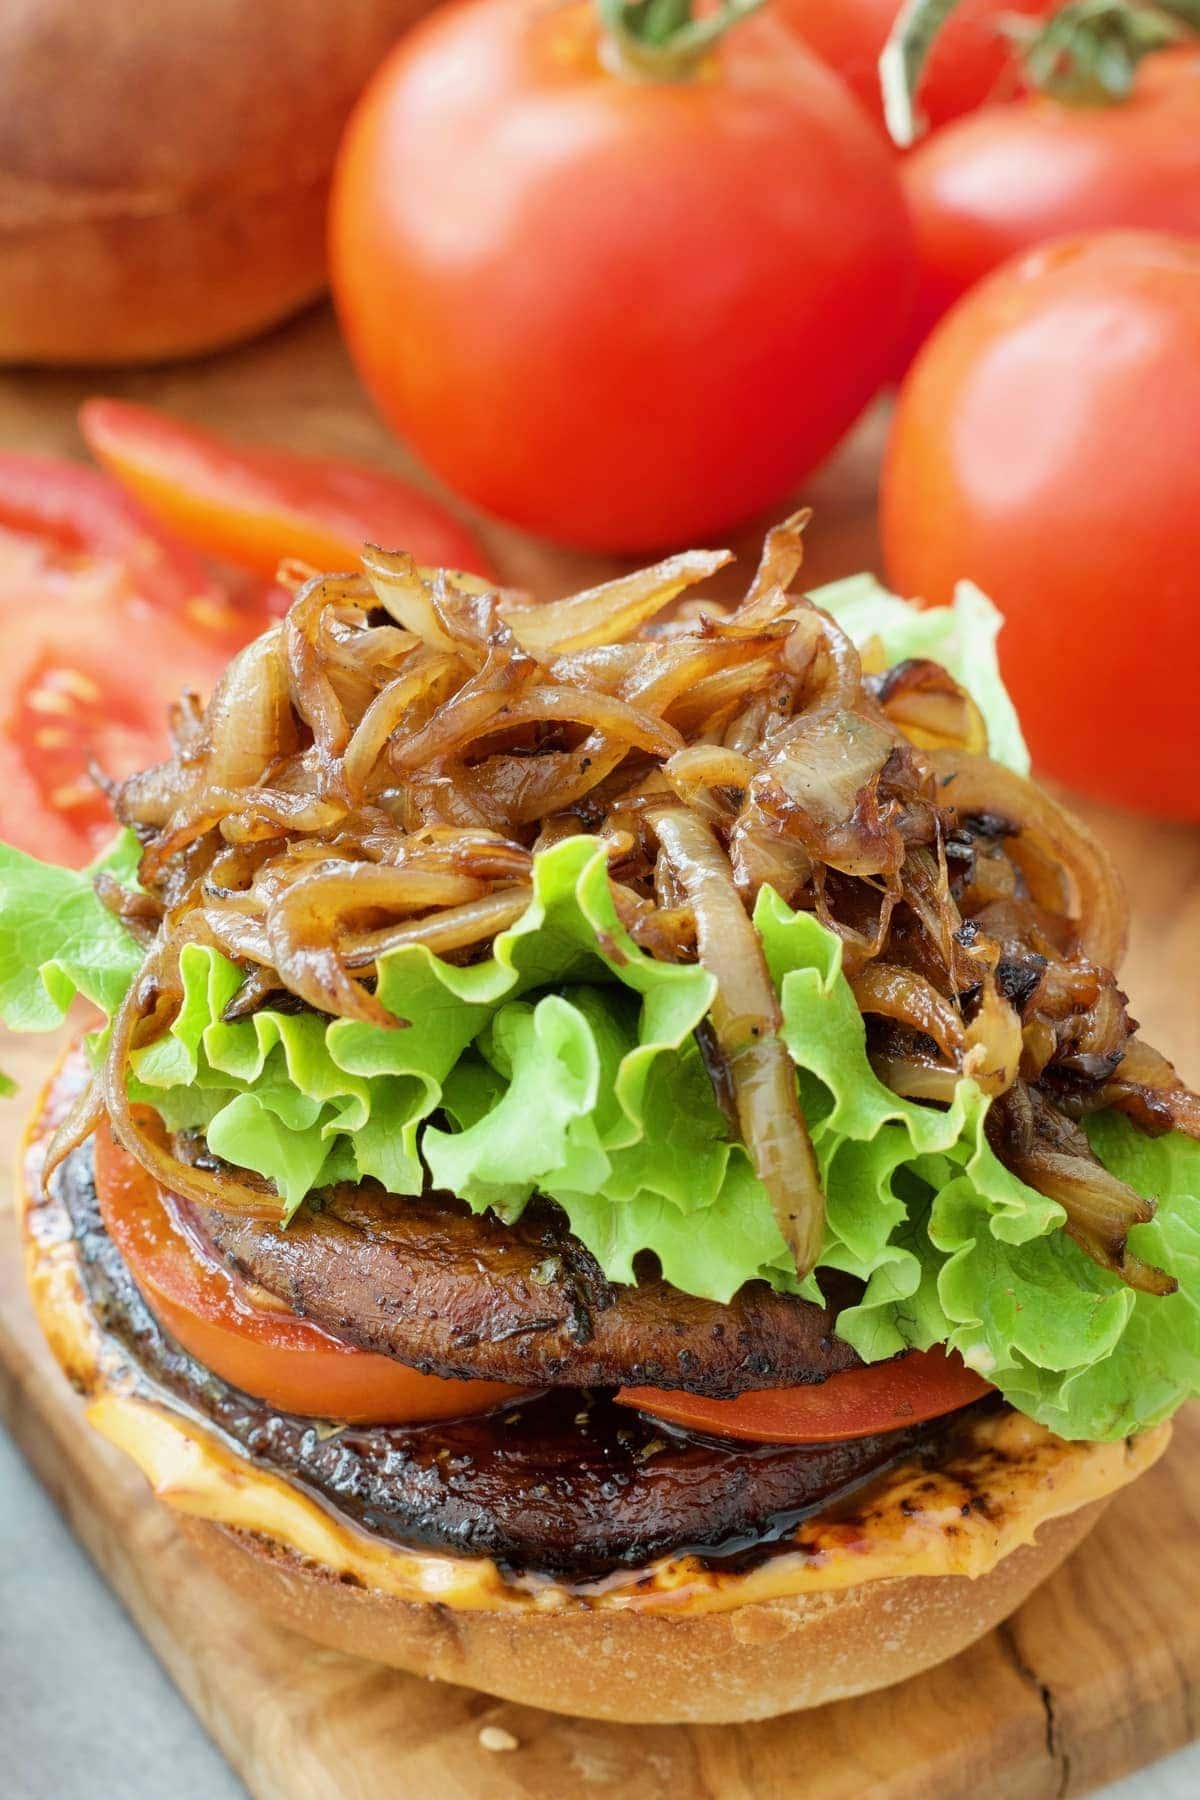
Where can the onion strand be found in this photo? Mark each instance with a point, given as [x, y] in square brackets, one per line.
[746, 1024]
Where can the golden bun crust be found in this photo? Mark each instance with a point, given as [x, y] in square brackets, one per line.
[130, 289]
[164, 172]
[636, 1667]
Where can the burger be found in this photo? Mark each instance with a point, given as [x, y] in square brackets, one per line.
[615, 1168]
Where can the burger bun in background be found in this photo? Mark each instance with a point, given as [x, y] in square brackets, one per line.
[164, 169]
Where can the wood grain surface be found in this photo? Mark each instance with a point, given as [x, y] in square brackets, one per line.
[1097, 1674]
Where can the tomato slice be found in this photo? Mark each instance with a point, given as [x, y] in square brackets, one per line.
[104, 620]
[857, 1403]
[88, 669]
[78, 512]
[254, 507]
[261, 1348]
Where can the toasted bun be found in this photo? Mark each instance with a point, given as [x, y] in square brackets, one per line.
[711, 1668]
[164, 171]
[917, 1566]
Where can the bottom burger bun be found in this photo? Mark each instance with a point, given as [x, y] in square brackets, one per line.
[904, 1573]
[654, 1668]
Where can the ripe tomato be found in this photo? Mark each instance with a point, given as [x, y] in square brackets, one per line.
[971, 60]
[620, 311]
[858, 1403]
[262, 1349]
[1046, 444]
[254, 507]
[1011, 177]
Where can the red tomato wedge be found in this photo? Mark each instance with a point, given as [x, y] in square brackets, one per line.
[261, 1348]
[859, 1403]
[254, 507]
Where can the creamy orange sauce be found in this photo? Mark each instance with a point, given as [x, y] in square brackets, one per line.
[917, 1522]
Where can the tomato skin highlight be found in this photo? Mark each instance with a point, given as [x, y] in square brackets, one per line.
[621, 313]
[1046, 445]
[858, 1403]
[286, 1361]
[254, 507]
[971, 61]
[1011, 177]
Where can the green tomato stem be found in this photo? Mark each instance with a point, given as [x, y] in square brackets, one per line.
[902, 64]
[1086, 54]
[659, 40]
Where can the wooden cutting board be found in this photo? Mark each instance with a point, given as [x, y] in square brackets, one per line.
[1098, 1673]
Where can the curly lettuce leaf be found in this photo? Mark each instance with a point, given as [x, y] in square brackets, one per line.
[1154, 1363]
[294, 1096]
[57, 940]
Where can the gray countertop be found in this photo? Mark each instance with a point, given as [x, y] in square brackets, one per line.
[86, 1710]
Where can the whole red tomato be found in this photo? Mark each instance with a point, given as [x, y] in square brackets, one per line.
[618, 310]
[1010, 177]
[971, 60]
[1046, 445]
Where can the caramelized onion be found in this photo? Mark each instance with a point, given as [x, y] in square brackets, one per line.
[603, 712]
[387, 712]
[304, 928]
[719, 696]
[84, 1116]
[249, 723]
[746, 1022]
[141, 914]
[453, 928]
[361, 784]
[768, 596]
[916, 1079]
[1147, 1087]
[526, 788]
[823, 765]
[1053, 1156]
[474, 706]
[212, 806]
[930, 708]
[604, 614]
[314, 697]
[910, 999]
[695, 771]
[1095, 904]
[994, 1042]
[401, 588]
[231, 1192]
